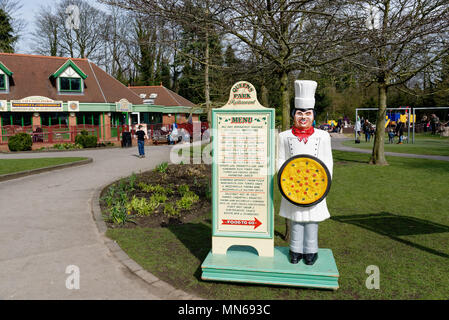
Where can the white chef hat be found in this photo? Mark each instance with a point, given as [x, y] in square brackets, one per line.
[305, 94]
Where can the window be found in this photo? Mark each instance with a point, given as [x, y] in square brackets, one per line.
[2, 82]
[54, 118]
[70, 84]
[148, 101]
[88, 118]
[4, 75]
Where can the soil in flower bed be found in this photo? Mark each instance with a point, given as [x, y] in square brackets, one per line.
[196, 177]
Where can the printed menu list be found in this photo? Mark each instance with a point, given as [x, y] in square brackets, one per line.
[242, 167]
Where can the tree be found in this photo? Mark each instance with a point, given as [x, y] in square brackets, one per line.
[12, 10]
[288, 35]
[397, 40]
[7, 39]
[46, 33]
[192, 19]
[57, 34]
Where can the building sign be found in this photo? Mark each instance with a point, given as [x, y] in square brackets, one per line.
[123, 106]
[243, 93]
[3, 106]
[36, 104]
[243, 160]
[73, 106]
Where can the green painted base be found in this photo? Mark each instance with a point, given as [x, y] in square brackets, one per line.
[242, 264]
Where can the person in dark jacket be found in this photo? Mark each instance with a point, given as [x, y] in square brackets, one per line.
[141, 141]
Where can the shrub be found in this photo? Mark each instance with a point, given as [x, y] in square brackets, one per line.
[119, 215]
[86, 140]
[158, 198]
[183, 189]
[170, 211]
[187, 200]
[142, 206]
[20, 142]
[67, 146]
[162, 168]
[154, 188]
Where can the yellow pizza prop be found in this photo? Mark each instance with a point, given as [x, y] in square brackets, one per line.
[304, 180]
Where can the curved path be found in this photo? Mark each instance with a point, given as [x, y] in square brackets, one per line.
[47, 225]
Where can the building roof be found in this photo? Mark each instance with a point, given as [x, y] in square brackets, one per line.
[32, 75]
[165, 97]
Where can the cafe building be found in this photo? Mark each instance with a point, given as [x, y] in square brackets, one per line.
[62, 96]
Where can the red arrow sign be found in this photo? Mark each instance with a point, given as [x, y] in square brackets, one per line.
[254, 223]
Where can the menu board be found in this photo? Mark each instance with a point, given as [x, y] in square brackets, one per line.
[242, 172]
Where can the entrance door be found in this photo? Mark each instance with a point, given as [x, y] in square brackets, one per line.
[135, 118]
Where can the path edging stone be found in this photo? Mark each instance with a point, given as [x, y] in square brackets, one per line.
[158, 287]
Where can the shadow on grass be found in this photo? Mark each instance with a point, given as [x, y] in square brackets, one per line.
[194, 236]
[344, 157]
[427, 164]
[394, 226]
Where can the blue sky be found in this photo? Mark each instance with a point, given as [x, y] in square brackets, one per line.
[27, 13]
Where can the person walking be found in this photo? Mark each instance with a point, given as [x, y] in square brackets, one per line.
[434, 120]
[391, 136]
[400, 131]
[367, 130]
[141, 141]
[424, 121]
[358, 127]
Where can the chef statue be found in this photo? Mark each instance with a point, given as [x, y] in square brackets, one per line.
[303, 138]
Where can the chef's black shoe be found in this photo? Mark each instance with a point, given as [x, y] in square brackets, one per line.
[310, 258]
[295, 257]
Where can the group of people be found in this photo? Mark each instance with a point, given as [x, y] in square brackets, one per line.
[368, 130]
[174, 136]
[430, 123]
[363, 125]
[399, 131]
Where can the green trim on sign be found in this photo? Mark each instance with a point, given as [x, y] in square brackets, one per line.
[271, 159]
[5, 70]
[69, 63]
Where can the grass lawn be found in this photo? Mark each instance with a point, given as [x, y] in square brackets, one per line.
[424, 144]
[394, 217]
[17, 165]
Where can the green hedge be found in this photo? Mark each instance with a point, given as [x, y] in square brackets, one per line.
[86, 140]
[20, 142]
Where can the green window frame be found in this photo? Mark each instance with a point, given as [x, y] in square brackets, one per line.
[3, 85]
[70, 82]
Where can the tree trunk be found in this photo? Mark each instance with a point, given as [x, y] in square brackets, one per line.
[264, 95]
[206, 80]
[285, 101]
[378, 155]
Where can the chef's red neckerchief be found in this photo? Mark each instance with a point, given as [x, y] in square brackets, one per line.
[303, 135]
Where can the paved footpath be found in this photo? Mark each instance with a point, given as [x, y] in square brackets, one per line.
[47, 225]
